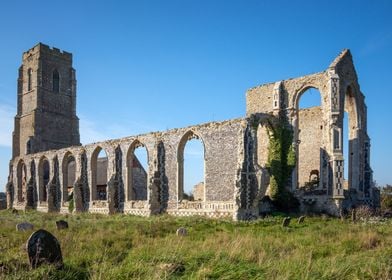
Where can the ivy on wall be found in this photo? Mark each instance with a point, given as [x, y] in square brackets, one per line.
[280, 164]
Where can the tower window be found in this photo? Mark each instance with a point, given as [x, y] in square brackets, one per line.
[28, 147]
[29, 73]
[56, 81]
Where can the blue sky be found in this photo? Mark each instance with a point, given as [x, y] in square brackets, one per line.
[153, 65]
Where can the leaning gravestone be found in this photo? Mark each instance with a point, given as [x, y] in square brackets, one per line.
[301, 219]
[61, 224]
[44, 248]
[24, 226]
[181, 231]
[286, 222]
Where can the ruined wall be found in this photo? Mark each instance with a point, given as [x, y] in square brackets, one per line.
[310, 137]
[198, 192]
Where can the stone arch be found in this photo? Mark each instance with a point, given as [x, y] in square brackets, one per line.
[43, 178]
[189, 135]
[69, 175]
[308, 127]
[21, 176]
[99, 167]
[136, 187]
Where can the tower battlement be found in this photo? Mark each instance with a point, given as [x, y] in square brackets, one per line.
[41, 48]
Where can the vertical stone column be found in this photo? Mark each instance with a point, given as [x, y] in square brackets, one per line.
[336, 142]
[81, 185]
[157, 184]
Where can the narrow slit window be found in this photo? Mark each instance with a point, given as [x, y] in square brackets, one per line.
[56, 81]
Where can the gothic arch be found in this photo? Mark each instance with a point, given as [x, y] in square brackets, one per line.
[132, 192]
[43, 178]
[68, 168]
[21, 176]
[100, 194]
[189, 135]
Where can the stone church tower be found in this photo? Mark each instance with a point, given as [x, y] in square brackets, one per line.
[46, 116]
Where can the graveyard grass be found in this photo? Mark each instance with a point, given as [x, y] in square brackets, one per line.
[129, 247]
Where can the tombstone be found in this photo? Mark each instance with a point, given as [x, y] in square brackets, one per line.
[181, 231]
[286, 222]
[61, 224]
[24, 226]
[301, 219]
[44, 248]
[354, 215]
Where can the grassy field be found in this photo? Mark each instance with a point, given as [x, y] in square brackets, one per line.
[128, 247]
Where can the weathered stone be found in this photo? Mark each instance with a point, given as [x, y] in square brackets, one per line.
[181, 231]
[46, 141]
[286, 222]
[44, 248]
[301, 219]
[61, 224]
[25, 226]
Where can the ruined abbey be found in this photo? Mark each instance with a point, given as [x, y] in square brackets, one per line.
[51, 171]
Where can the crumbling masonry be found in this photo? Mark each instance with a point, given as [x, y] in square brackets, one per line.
[46, 141]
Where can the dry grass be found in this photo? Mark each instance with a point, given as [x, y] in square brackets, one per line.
[126, 247]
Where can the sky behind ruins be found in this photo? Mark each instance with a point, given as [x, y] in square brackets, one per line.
[154, 65]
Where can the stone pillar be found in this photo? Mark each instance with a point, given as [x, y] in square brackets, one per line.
[81, 185]
[336, 147]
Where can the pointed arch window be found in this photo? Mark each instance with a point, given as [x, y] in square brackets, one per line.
[56, 81]
[29, 78]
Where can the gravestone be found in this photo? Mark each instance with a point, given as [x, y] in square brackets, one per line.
[286, 222]
[24, 226]
[181, 231]
[44, 248]
[301, 219]
[61, 224]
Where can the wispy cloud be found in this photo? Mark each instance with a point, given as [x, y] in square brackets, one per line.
[7, 113]
[94, 131]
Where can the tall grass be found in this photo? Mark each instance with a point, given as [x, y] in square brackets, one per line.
[128, 247]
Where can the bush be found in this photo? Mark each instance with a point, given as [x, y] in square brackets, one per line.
[386, 198]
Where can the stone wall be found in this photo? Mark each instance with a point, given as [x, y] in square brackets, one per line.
[235, 151]
[310, 145]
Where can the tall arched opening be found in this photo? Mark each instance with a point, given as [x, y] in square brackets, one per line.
[191, 168]
[309, 138]
[69, 176]
[21, 181]
[137, 172]
[350, 141]
[43, 179]
[99, 172]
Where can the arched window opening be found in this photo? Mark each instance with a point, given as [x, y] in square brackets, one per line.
[350, 139]
[21, 181]
[191, 183]
[138, 167]
[99, 167]
[346, 145]
[56, 81]
[29, 79]
[44, 174]
[309, 138]
[69, 177]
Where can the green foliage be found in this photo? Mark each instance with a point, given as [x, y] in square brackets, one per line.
[386, 198]
[71, 205]
[281, 161]
[128, 247]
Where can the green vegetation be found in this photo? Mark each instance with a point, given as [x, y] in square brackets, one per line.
[128, 247]
[280, 164]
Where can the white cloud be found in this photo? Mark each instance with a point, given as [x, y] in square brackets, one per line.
[7, 113]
